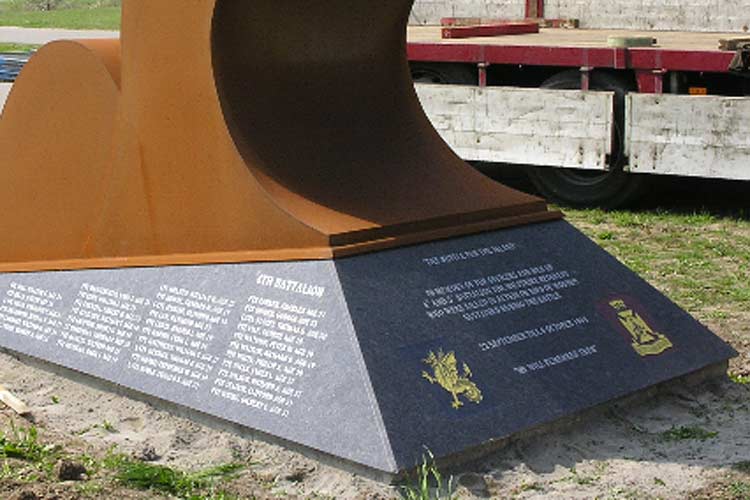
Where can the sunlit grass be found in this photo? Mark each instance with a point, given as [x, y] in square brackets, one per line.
[72, 14]
[428, 483]
[17, 47]
[699, 260]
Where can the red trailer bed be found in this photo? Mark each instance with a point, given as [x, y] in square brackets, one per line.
[675, 51]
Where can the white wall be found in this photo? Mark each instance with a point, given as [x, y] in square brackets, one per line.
[692, 15]
[431, 11]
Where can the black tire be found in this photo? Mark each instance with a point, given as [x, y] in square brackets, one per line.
[444, 73]
[584, 188]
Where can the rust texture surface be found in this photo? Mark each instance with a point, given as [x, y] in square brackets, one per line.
[223, 131]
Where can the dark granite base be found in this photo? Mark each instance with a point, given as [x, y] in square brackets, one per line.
[450, 345]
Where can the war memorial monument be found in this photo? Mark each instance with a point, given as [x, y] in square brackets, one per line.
[234, 210]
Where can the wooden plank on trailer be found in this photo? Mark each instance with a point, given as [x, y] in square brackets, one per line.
[543, 23]
[489, 30]
[696, 136]
[469, 21]
[566, 128]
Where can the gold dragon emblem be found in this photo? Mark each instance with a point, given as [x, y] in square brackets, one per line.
[446, 374]
[646, 341]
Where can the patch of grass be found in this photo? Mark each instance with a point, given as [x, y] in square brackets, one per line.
[105, 18]
[586, 479]
[720, 315]
[535, 486]
[699, 260]
[620, 493]
[25, 459]
[687, 433]
[107, 426]
[740, 490]
[23, 444]
[90, 489]
[728, 488]
[85, 430]
[429, 483]
[739, 379]
[9, 48]
[158, 478]
[46, 5]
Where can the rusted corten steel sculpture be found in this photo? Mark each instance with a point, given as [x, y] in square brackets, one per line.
[230, 131]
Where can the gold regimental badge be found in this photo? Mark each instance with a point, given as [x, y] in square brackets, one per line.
[646, 341]
[445, 370]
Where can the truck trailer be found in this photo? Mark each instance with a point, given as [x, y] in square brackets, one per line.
[598, 98]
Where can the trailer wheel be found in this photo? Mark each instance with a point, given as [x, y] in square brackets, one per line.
[444, 73]
[574, 187]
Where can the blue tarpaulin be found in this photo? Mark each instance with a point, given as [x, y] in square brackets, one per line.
[11, 65]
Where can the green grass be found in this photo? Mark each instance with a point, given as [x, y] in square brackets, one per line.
[687, 433]
[17, 47]
[701, 261]
[23, 444]
[587, 479]
[70, 14]
[143, 476]
[728, 488]
[25, 459]
[107, 426]
[740, 490]
[107, 18]
[428, 483]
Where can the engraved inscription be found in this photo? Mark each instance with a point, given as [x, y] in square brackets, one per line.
[272, 349]
[499, 294]
[101, 323]
[177, 332]
[30, 312]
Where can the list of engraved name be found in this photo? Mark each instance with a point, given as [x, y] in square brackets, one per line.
[273, 348]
